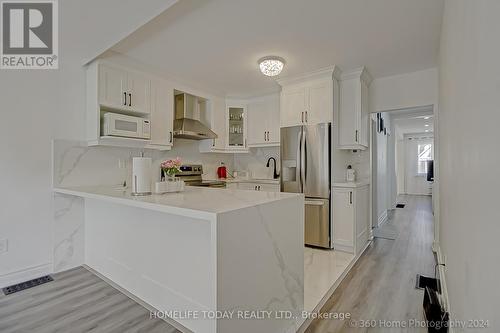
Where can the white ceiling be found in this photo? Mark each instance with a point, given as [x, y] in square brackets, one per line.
[215, 44]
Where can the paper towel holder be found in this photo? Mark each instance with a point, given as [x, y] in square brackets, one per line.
[139, 194]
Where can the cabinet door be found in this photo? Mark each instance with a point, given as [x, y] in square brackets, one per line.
[162, 113]
[219, 123]
[365, 116]
[236, 123]
[248, 186]
[139, 92]
[268, 187]
[273, 128]
[293, 106]
[258, 123]
[320, 108]
[112, 87]
[343, 219]
[349, 115]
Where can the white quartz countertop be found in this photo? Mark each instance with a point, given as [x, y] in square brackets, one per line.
[193, 201]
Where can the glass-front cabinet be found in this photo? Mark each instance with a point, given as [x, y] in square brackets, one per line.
[236, 118]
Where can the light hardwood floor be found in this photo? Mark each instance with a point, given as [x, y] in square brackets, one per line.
[76, 301]
[381, 286]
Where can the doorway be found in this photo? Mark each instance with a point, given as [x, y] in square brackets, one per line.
[402, 154]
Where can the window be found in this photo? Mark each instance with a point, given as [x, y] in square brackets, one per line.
[425, 153]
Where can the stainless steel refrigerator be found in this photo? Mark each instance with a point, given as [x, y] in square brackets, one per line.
[306, 168]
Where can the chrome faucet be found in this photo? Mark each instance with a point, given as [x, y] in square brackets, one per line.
[275, 174]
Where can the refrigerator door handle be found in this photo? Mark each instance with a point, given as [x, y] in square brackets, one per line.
[303, 163]
[299, 167]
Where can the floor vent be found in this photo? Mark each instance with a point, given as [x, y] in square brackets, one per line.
[400, 205]
[26, 285]
[424, 281]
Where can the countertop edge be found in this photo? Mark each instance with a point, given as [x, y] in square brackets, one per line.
[212, 216]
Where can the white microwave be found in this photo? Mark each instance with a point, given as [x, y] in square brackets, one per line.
[115, 124]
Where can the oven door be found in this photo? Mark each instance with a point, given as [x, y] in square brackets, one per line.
[317, 222]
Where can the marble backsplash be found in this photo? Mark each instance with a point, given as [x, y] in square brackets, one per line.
[255, 162]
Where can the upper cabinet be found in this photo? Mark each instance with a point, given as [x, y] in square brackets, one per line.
[263, 114]
[308, 99]
[135, 100]
[236, 126]
[120, 89]
[353, 116]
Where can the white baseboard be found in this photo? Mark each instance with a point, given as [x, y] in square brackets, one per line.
[442, 277]
[25, 275]
[382, 218]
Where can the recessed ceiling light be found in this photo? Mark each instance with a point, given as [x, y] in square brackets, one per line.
[426, 125]
[427, 118]
[271, 65]
[427, 130]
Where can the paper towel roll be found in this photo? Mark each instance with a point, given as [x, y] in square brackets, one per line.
[141, 175]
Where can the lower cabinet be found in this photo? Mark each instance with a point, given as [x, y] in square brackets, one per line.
[251, 186]
[350, 218]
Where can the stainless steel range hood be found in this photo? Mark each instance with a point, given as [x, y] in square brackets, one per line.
[186, 123]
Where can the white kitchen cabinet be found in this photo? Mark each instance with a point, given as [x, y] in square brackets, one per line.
[263, 126]
[162, 114]
[122, 89]
[308, 99]
[236, 126]
[112, 87]
[215, 118]
[354, 113]
[254, 186]
[115, 88]
[139, 90]
[350, 210]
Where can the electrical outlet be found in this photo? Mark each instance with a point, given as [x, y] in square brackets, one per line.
[3, 246]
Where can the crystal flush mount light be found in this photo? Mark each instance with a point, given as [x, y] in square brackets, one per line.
[271, 66]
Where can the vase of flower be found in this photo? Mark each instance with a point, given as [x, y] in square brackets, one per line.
[171, 168]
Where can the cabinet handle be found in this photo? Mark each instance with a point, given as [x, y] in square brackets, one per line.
[129, 99]
[265, 136]
[306, 116]
[213, 143]
[302, 116]
[350, 197]
[171, 137]
[356, 135]
[125, 94]
[256, 187]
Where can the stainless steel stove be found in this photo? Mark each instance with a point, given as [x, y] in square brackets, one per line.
[191, 175]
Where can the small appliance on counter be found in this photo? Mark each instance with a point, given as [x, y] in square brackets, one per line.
[141, 176]
[350, 174]
[222, 171]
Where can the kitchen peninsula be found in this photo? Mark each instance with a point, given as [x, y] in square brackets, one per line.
[201, 250]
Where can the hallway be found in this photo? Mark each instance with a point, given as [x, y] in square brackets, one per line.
[381, 286]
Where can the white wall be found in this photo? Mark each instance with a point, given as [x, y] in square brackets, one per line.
[47, 104]
[404, 91]
[469, 158]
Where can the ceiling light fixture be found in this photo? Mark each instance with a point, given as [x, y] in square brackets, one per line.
[426, 125]
[427, 130]
[271, 65]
